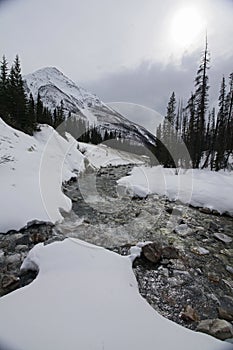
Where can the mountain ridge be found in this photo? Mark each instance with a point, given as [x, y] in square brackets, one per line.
[54, 87]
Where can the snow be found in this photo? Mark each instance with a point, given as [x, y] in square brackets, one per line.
[31, 181]
[62, 88]
[86, 297]
[102, 155]
[200, 188]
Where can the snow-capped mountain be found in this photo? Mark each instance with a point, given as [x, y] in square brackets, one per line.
[55, 87]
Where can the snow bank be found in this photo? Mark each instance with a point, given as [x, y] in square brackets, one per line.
[102, 155]
[86, 298]
[32, 175]
[201, 188]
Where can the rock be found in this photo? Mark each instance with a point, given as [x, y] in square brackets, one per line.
[220, 329]
[12, 259]
[152, 252]
[205, 210]
[213, 226]
[9, 281]
[213, 277]
[183, 230]
[229, 269]
[170, 252]
[2, 255]
[227, 252]
[226, 314]
[21, 248]
[222, 237]
[37, 238]
[23, 240]
[215, 212]
[200, 251]
[173, 211]
[189, 314]
[179, 273]
[163, 271]
[228, 283]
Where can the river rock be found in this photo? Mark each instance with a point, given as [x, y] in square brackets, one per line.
[189, 314]
[226, 314]
[205, 210]
[183, 230]
[170, 252]
[229, 269]
[218, 328]
[152, 252]
[222, 237]
[173, 211]
[12, 259]
[9, 280]
[200, 251]
[1, 255]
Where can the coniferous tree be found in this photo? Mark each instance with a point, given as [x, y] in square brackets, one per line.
[39, 109]
[17, 98]
[201, 104]
[4, 98]
[220, 144]
[31, 115]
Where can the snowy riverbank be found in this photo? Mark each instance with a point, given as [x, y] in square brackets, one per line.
[200, 188]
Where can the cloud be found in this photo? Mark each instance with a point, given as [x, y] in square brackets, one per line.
[151, 84]
[89, 39]
[122, 50]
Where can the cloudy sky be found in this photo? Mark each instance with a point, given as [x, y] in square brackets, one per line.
[123, 50]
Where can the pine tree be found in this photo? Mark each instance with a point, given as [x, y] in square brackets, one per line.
[17, 98]
[220, 144]
[31, 115]
[168, 132]
[4, 98]
[201, 104]
[39, 110]
[229, 121]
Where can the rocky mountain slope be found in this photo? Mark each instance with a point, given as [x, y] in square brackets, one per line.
[55, 87]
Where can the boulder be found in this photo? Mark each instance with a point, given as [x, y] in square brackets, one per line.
[152, 252]
[222, 237]
[225, 313]
[170, 252]
[220, 329]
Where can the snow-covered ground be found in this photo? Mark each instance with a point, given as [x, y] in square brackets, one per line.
[32, 170]
[86, 298]
[102, 156]
[200, 188]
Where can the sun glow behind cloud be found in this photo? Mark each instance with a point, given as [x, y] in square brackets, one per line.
[187, 25]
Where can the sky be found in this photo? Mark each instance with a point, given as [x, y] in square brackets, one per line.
[123, 50]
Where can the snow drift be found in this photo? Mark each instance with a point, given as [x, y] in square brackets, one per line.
[86, 298]
[32, 170]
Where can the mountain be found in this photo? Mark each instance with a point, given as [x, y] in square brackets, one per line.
[55, 87]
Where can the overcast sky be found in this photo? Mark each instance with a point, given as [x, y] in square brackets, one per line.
[123, 50]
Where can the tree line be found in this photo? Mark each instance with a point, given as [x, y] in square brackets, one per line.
[19, 110]
[207, 134]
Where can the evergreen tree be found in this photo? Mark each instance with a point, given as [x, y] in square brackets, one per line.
[31, 115]
[39, 109]
[17, 98]
[201, 104]
[4, 98]
[168, 132]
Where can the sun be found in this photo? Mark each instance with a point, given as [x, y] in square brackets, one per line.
[186, 25]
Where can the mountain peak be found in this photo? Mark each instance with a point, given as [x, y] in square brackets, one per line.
[54, 87]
